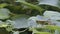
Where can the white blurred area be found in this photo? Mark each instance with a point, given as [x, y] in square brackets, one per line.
[49, 2]
[54, 16]
[32, 21]
[51, 16]
[16, 32]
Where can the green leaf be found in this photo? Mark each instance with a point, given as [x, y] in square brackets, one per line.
[42, 33]
[18, 16]
[3, 5]
[52, 27]
[33, 6]
[4, 13]
[3, 24]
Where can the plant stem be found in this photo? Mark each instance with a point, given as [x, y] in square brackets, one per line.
[33, 6]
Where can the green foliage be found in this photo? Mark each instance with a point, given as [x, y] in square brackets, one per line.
[27, 9]
[33, 6]
[7, 1]
[52, 27]
[35, 31]
[32, 1]
[3, 5]
[4, 13]
[50, 8]
[18, 16]
[42, 33]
